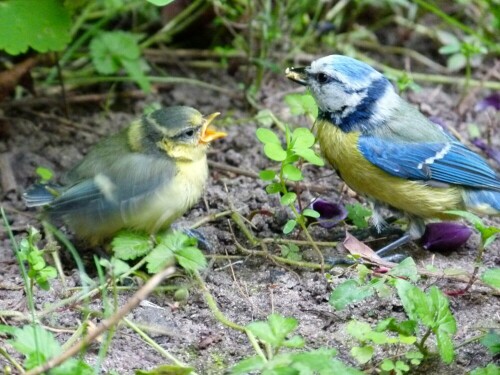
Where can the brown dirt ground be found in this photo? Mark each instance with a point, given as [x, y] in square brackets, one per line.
[252, 288]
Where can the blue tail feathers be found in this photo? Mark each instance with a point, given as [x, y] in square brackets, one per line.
[40, 195]
[483, 201]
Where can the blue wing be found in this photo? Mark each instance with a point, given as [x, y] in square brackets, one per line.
[444, 162]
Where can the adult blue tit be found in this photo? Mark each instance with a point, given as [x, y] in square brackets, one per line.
[385, 149]
[142, 178]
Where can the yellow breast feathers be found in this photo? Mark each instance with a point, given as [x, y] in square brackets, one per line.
[341, 150]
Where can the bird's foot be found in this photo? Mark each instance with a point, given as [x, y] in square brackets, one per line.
[203, 242]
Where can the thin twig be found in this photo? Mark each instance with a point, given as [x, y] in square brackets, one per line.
[139, 296]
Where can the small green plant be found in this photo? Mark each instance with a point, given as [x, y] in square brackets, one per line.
[160, 251]
[426, 310]
[358, 214]
[38, 345]
[299, 145]
[488, 235]
[39, 272]
[273, 335]
[116, 50]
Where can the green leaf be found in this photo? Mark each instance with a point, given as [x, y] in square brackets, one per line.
[407, 268]
[358, 214]
[404, 288]
[492, 341]
[311, 213]
[43, 25]
[128, 245]
[294, 342]
[166, 369]
[310, 156]
[470, 217]
[301, 104]
[160, 3]
[302, 138]
[291, 251]
[491, 369]
[44, 173]
[445, 320]
[159, 258]
[348, 292]
[35, 339]
[191, 259]
[267, 136]
[274, 151]
[265, 118]
[273, 188]
[445, 346]
[292, 173]
[362, 354]
[289, 226]
[114, 50]
[288, 198]
[492, 277]
[248, 365]
[267, 175]
[456, 62]
[387, 365]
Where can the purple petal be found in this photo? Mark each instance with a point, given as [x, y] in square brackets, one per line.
[491, 152]
[445, 236]
[330, 213]
[492, 100]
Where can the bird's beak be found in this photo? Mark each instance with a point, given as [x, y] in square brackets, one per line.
[298, 75]
[208, 134]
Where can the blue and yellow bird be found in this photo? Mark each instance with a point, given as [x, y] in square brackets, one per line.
[387, 150]
[142, 178]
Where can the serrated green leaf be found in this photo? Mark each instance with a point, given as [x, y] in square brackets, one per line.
[35, 339]
[362, 354]
[43, 25]
[113, 50]
[166, 369]
[492, 277]
[300, 104]
[267, 136]
[348, 292]
[128, 245]
[274, 152]
[288, 198]
[267, 175]
[358, 215]
[445, 346]
[294, 342]
[289, 226]
[248, 365]
[407, 268]
[292, 173]
[159, 258]
[191, 259]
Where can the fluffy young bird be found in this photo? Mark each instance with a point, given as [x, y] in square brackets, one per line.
[143, 177]
[385, 149]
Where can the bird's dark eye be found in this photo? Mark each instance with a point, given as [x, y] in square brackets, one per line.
[189, 133]
[322, 78]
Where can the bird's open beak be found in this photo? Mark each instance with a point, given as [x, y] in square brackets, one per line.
[208, 134]
[298, 75]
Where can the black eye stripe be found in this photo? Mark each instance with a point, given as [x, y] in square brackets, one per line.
[186, 133]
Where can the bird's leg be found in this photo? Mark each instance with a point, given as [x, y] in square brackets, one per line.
[416, 227]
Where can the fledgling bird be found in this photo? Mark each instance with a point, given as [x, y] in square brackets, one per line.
[386, 149]
[142, 178]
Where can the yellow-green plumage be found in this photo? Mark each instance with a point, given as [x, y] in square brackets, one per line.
[142, 178]
[342, 151]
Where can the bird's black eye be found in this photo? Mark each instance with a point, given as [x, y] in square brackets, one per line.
[322, 78]
[189, 133]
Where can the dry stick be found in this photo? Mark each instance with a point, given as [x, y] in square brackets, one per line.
[7, 178]
[139, 296]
